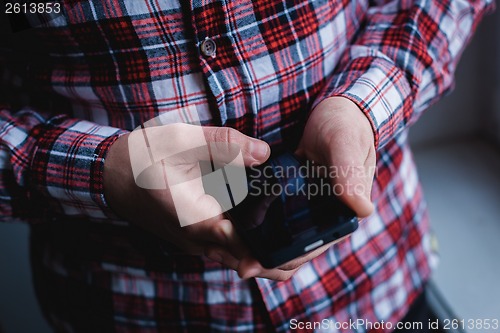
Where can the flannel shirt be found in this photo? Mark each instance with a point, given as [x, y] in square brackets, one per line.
[103, 67]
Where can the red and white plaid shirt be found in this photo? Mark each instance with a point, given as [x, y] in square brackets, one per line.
[119, 63]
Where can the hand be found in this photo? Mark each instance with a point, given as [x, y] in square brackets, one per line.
[153, 209]
[338, 135]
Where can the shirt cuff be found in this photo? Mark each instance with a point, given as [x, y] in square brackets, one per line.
[68, 165]
[378, 87]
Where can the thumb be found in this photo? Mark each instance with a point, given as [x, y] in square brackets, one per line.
[355, 183]
[225, 140]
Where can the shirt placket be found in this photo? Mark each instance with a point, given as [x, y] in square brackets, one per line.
[221, 62]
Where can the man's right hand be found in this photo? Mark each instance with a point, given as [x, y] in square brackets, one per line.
[154, 210]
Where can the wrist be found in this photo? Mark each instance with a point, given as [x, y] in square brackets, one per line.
[117, 174]
[346, 113]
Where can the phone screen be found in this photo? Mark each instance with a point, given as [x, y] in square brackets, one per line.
[289, 210]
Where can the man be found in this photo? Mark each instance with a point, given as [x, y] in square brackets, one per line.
[339, 82]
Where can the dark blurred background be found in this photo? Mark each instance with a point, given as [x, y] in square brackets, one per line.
[457, 149]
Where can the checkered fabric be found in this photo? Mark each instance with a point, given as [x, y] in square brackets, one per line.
[103, 67]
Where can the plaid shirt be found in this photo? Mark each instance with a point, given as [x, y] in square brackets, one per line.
[119, 63]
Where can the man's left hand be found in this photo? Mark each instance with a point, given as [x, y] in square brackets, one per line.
[338, 135]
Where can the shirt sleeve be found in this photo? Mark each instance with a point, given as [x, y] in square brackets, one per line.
[59, 159]
[404, 59]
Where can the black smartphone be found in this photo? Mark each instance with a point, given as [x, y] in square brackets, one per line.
[289, 211]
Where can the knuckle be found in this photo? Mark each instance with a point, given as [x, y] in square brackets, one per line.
[221, 134]
[219, 235]
[232, 135]
[227, 135]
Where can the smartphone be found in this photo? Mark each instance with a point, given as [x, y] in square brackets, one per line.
[289, 211]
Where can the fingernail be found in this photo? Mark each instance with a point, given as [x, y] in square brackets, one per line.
[259, 150]
[227, 229]
[224, 232]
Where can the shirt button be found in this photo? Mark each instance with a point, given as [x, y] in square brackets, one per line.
[208, 47]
